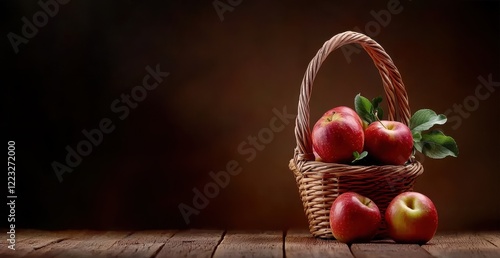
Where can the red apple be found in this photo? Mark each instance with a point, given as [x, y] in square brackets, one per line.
[389, 142]
[354, 218]
[316, 156]
[337, 134]
[411, 218]
[348, 111]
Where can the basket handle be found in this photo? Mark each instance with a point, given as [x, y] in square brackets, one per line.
[393, 86]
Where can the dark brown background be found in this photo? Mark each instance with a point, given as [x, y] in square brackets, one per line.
[225, 79]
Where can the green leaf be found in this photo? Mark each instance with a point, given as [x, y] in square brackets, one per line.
[417, 136]
[376, 101]
[437, 145]
[364, 108]
[377, 110]
[380, 113]
[424, 119]
[358, 156]
[418, 146]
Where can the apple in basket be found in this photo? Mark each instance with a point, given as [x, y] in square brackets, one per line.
[411, 218]
[337, 134]
[347, 110]
[389, 142]
[354, 218]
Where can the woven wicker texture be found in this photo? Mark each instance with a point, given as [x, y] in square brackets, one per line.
[320, 183]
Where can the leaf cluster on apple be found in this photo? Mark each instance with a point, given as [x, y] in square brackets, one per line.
[363, 137]
[432, 143]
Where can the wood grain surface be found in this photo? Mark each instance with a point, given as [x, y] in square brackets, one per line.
[220, 243]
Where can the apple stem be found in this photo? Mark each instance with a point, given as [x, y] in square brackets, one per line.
[330, 118]
[376, 117]
[382, 123]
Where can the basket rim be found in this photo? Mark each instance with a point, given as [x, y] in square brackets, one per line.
[318, 167]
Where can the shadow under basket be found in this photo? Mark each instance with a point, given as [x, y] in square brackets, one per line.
[321, 183]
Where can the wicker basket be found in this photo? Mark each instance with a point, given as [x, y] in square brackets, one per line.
[320, 183]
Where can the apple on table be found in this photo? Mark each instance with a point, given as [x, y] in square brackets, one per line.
[354, 218]
[411, 218]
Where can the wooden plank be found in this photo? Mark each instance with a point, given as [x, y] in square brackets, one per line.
[251, 244]
[191, 243]
[208, 243]
[300, 243]
[28, 241]
[461, 245]
[140, 244]
[4, 244]
[81, 244]
[492, 237]
[25, 234]
[387, 249]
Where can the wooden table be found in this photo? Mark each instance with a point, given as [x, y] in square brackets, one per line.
[219, 243]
